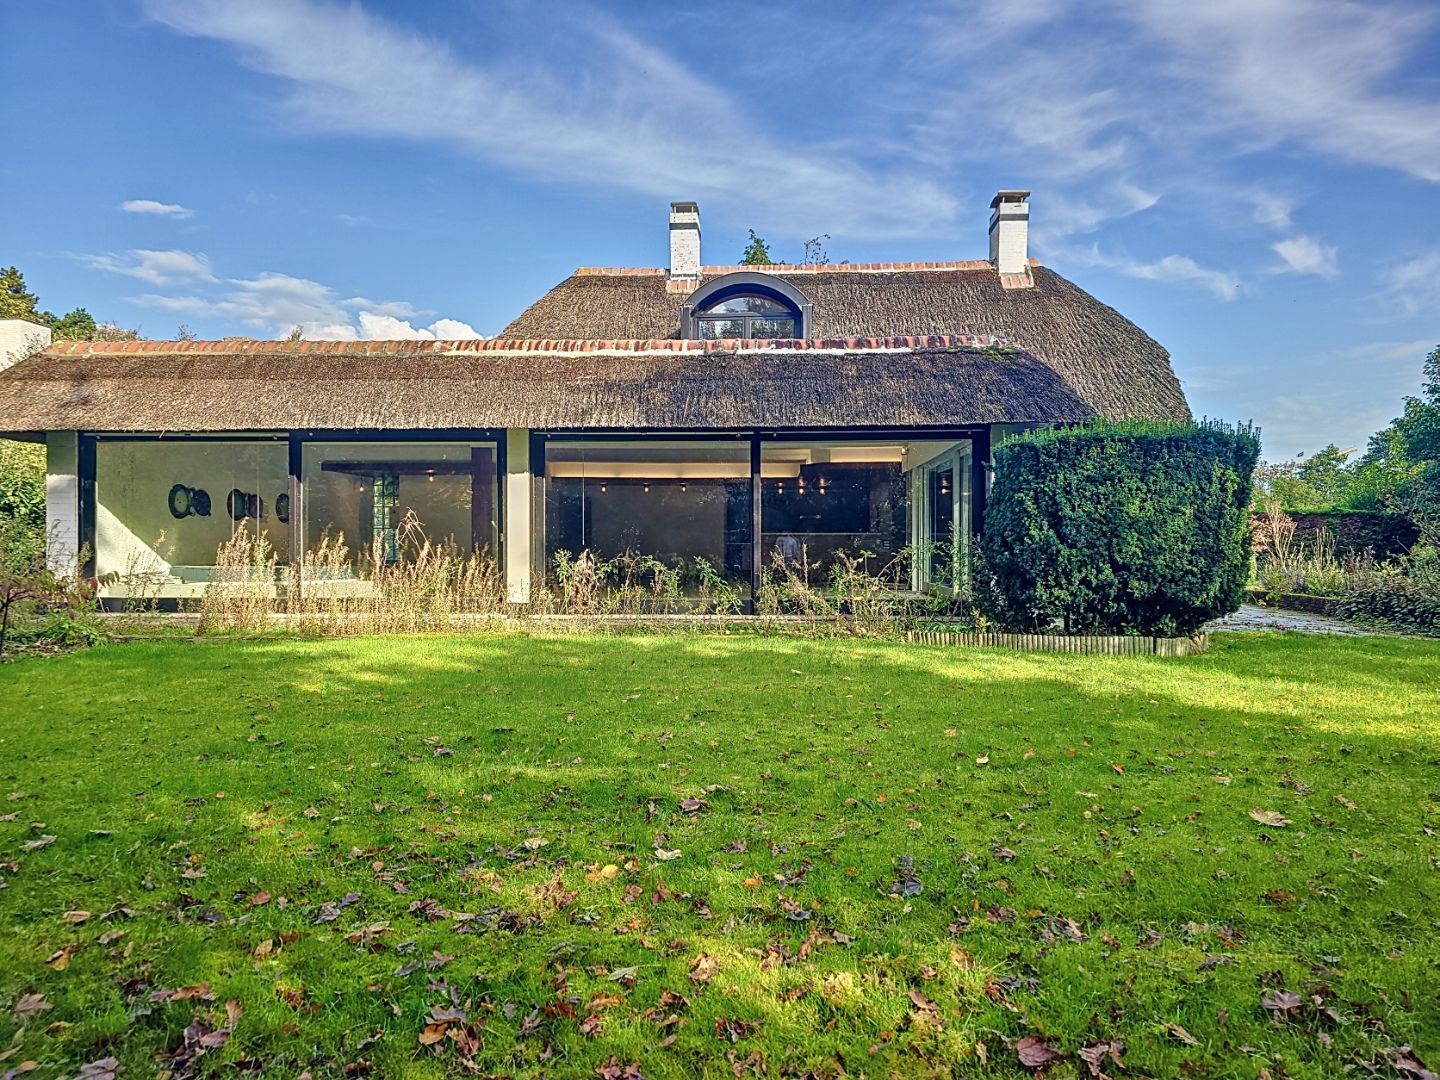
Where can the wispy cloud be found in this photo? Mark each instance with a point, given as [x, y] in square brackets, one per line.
[272, 304]
[1176, 269]
[626, 118]
[1413, 286]
[159, 209]
[156, 267]
[1271, 208]
[1307, 255]
[1317, 72]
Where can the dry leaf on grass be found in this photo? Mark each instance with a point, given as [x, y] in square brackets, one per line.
[1270, 818]
[1035, 1053]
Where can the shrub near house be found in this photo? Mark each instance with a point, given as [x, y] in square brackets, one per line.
[1129, 528]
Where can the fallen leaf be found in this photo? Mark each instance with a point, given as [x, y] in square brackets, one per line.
[667, 855]
[38, 843]
[1035, 1053]
[1280, 1004]
[76, 917]
[1095, 1054]
[1178, 1032]
[703, 968]
[1270, 818]
[107, 1068]
[1408, 1064]
[28, 1005]
[60, 959]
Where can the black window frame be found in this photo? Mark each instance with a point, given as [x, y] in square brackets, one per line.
[698, 307]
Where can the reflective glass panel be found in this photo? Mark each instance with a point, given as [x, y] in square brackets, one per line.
[163, 508]
[749, 305]
[381, 498]
[679, 508]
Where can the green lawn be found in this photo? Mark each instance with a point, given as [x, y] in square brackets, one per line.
[341, 835]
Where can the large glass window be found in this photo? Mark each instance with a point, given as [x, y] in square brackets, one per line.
[879, 503]
[164, 507]
[379, 497]
[679, 508]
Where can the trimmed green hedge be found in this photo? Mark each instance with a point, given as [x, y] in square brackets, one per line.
[1119, 528]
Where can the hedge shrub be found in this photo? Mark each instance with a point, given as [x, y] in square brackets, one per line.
[1404, 597]
[22, 499]
[1119, 528]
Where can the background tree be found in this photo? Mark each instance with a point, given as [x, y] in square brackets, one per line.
[79, 325]
[17, 301]
[757, 252]
[815, 253]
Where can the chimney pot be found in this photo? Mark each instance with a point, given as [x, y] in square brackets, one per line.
[1010, 231]
[684, 240]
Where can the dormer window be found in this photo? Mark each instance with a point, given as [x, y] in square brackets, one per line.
[746, 305]
[750, 315]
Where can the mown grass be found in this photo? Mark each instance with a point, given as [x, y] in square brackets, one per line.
[185, 781]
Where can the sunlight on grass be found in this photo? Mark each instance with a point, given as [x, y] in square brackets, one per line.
[710, 853]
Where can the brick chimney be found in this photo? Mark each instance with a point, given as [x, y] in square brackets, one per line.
[1010, 232]
[685, 240]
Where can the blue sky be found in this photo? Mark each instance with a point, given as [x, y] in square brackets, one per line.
[1254, 182]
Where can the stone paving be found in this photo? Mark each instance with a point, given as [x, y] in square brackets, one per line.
[1251, 617]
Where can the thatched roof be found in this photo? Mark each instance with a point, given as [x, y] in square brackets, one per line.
[1114, 366]
[244, 385]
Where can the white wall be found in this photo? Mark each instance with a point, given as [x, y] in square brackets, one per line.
[62, 498]
[516, 541]
[19, 338]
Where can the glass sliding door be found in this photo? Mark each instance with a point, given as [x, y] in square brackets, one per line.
[943, 518]
[822, 502]
[380, 500]
[680, 509]
[165, 507]
[899, 508]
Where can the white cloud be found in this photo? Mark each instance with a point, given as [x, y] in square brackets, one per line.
[151, 206]
[1307, 255]
[1413, 286]
[1179, 269]
[156, 267]
[1318, 72]
[375, 327]
[272, 304]
[1184, 269]
[627, 114]
[1271, 208]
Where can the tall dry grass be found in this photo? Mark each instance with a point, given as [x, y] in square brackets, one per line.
[433, 586]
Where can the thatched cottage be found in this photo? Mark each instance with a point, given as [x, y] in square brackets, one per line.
[714, 417]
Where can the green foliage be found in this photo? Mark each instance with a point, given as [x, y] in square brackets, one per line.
[79, 325]
[1404, 597]
[22, 498]
[757, 252]
[1119, 528]
[16, 300]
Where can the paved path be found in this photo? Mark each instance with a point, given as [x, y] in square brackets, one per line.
[1251, 617]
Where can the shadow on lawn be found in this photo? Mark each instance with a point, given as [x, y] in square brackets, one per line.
[801, 710]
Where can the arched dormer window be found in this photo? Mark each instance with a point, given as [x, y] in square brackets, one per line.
[746, 305]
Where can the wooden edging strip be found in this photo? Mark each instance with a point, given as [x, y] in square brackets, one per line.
[1081, 646]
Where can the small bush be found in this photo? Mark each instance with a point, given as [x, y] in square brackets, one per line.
[22, 499]
[1404, 596]
[1119, 528]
